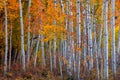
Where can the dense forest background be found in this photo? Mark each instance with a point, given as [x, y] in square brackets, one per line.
[59, 39]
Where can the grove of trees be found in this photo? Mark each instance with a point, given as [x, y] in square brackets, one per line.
[59, 39]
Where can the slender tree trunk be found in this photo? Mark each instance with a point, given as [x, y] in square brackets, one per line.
[22, 36]
[95, 50]
[55, 3]
[99, 44]
[6, 38]
[62, 5]
[78, 37]
[60, 61]
[85, 37]
[100, 52]
[71, 41]
[16, 51]
[43, 53]
[69, 55]
[89, 36]
[28, 43]
[62, 44]
[36, 51]
[67, 45]
[72, 38]
[51, 64]
[66, 27]
[106, 39]
[10, 47]
[113, 38]
[32, 44]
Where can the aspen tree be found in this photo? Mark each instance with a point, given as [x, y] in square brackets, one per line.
[62, 45]
[95, 49]
[113, 38]
[55, 44]
[71, 41]
[66, 27]
[43, 52]
[22, 35]
[6, 37]
[89, 27]
[28, 41]
[78, 36]
[62, 5]
[69, 55]
[51, 64]
[100, 42]
[105, 39]
[10, 46]
[85, 39]
[36, 50]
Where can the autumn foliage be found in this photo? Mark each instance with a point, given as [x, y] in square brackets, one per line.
[57, 41]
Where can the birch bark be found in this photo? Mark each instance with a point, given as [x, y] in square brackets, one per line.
[105, 39]
[36, 51]
[6, 38]
[28, 43]
[55, 3]
[89, 35]
[10, 46]
[113, 38]
[78, 37]
[22, 35]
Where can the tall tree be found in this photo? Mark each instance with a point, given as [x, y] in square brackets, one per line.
[113, 38]
[10, 52]
[105, 2]
[28, 44]
[22, 35]
[36, 51]
[89, 28]
[55, 45]
[6, 38]
[78, 37]
[43, 52]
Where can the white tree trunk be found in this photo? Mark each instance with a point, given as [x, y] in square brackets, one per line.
[62, 47]
[72, 56]
[85, 39]
[55, 3]
[28, 43]
[89, 36]
[99, 44]
[100, 52]
[43, 53]
[62, 5]
[69, 41]
[6, 38]
[113, 38]
[78, 37]
[106, 39]
[36, 51]
[10, 47]
[51, 64]
[60, 61]
[95, 49]
[22, 35]
[66, 27]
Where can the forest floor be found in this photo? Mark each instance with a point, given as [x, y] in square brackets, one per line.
[45, 74]
[39, 73]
